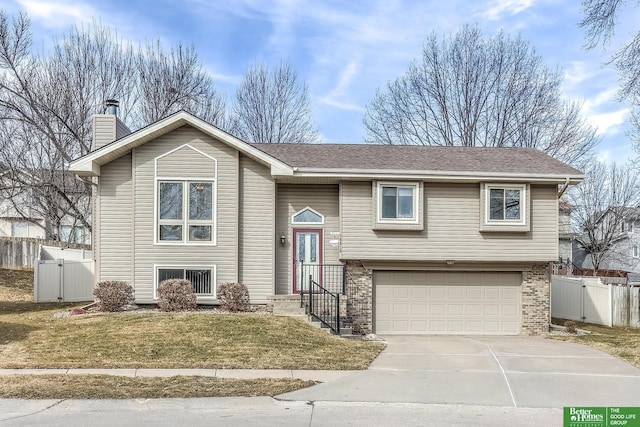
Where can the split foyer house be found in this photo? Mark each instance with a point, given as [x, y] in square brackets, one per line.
[429, 240]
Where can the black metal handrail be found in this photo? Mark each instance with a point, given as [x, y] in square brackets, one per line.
[330, 276]
[324, 306]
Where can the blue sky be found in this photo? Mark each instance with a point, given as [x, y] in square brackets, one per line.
[345, 50]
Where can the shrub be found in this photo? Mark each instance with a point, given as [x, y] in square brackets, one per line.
[233, 297]
[176, 295]
[570, 326]
[113, 295]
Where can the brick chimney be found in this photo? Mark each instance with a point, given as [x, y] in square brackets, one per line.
[107, 127]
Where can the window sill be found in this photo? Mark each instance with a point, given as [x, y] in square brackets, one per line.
[398, 226]
[505, 228]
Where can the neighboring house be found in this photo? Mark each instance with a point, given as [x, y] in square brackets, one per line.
[624, 251]
[21, 215]
[435, 240]
[565, 235]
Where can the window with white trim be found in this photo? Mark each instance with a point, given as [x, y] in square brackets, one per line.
[505, 204]
[202, 278]
[398, 202]
[186, 212]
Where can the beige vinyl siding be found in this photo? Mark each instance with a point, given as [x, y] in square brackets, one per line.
[186, 162]
[104, 130]
[121, 129]
[451, 228]
[291, 198]
[115, 219]
[147, 254]
[257, 229]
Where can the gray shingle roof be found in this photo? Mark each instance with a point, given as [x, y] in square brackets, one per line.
[417, 158]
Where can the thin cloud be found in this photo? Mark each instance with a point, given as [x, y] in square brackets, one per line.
[58, 14]
[609, 123]
[499, 8]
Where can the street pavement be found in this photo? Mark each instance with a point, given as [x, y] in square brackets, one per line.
[264, 412]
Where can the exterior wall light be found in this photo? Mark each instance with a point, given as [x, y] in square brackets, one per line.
[283, 239]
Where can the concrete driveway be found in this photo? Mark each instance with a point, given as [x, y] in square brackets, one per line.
[528, 372]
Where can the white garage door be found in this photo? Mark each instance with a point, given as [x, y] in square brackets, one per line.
[438, 302]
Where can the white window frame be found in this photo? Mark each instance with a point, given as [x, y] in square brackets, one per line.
[212, 267]
[185, 199]
[185, 222]
[293, 221]
[415, 186]
[523, 204]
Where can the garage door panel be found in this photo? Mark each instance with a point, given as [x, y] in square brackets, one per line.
[474, 309]
[511, 294]
[410, 302]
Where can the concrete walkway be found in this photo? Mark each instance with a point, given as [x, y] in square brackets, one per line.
[313, 375]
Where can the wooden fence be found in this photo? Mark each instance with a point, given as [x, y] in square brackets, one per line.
[20, 253]
[587, 300]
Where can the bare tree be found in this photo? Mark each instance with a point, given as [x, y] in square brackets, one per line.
[272, 105]
[48, 100]
[600, 18]
[474, 91]
[604, 203]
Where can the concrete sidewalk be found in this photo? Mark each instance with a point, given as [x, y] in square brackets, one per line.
[314, 375]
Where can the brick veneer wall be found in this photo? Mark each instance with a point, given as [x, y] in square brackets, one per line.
[535, 300]
[360, 297]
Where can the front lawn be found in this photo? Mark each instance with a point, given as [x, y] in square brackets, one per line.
[31, 336]
[623, 343]
[112, 387]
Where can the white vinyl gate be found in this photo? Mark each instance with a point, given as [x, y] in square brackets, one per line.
[63, 280]
[582, 299]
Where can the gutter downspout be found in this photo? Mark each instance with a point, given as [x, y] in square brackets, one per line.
[564, 187]
[85, 180]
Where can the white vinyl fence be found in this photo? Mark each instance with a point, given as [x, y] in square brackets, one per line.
[63, 275]
[587, 300]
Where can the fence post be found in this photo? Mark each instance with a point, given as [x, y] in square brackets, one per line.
[610, 305]
[61, 289]
[338, 314]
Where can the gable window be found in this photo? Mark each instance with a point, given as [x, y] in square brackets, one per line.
[186, 212]
[307, 216]
[202, 278]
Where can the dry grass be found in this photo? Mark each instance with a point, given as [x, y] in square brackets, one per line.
[31, 338]
[111, 387]
[623, 343]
